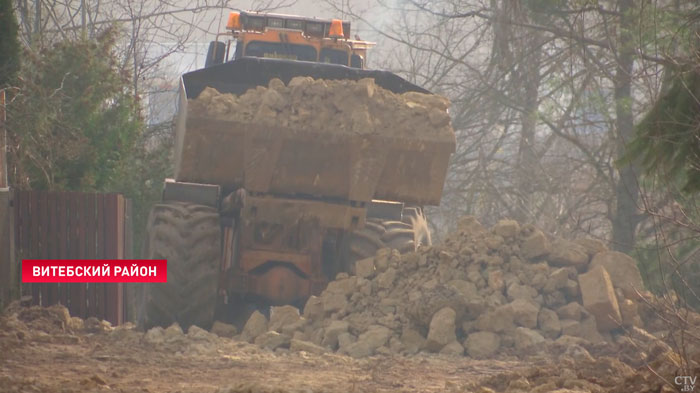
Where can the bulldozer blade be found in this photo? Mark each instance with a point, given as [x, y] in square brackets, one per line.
[237, 76]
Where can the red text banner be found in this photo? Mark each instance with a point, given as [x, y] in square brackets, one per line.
[94, 270]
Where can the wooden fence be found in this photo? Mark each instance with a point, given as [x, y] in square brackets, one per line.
[75, 225]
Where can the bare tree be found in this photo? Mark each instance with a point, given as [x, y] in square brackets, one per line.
[544, 100]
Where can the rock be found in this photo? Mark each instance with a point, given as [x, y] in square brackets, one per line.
[623, 271]
[61, 313]
[255, 326]
[346, 285]
[412, 341]
[395, 345]
[273, 99]
[586, 329]
[155, 336]
[76, 324]
[538, 281]
[300, 336]
[497, 320]
[572, 289]
[507, 229]
[300, 345]
[333, 301]
[300, 81]
[283, 316]
[126, 333]
[557, 280]
[519, 385]
[548, 323]
[469, 225]
[452, 349]
[276, 84]
[525, 338]
[382, 259]
[493, 243]
[592, 246]
[481, 345]
[475, 277]
[517, 291]
[427, 100]
[495, 280]
[421, 310]
[272, 340]
[331, 333]
[368, 342]
[194, 332]
[410, 261]
[599, 298]
[554, 300]
[567, 341]
[442, 329]
[365, 267]
[346, 339]
[313, 309]
[222, 329]
[525, 313]
[465, 288]
[578, 353]
[494, 300]
[630, 314]
[535, 246]
[386, 279]
[572, 311]
[566, 253]
[92, 324]
[173, 333]
[648, 343]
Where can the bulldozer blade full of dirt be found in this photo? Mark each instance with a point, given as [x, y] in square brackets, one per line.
[268, 207]
[320, 163]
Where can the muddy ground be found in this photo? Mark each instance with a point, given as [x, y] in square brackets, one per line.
[45, 350]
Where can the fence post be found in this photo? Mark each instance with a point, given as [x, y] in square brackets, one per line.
[3, 142]
[9, 284]
[7, 271]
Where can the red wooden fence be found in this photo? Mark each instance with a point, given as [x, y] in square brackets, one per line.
[76, 225]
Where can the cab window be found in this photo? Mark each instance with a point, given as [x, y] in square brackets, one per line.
[333, 56]
[356, 61]
[279, 50]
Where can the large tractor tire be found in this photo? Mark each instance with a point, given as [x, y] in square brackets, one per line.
[188, 236]
[405, 236]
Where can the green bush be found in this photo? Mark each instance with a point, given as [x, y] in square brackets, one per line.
[675, 268]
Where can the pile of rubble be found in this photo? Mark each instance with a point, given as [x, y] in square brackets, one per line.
[91, 355]
[329, 105]
[507, 290]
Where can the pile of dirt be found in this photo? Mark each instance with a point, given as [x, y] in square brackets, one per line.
[359, 107]
[577, 371]
[509, 290]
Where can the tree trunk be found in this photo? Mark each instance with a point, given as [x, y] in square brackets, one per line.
[527, 159]
[626, 216]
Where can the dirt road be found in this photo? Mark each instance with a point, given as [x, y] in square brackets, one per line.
[44, 355]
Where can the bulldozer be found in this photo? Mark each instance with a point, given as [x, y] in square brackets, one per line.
[263, 215]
